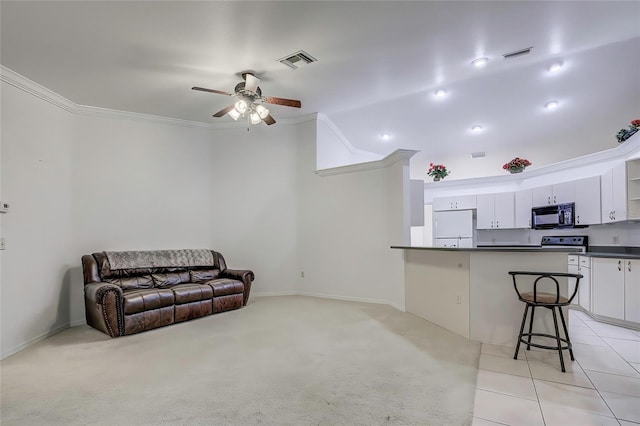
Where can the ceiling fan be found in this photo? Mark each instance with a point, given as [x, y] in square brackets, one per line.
[250, 99]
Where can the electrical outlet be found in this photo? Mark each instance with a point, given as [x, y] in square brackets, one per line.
[2, 246]
[302, 274]
[458, 300]
[616, 240]
[4, 207]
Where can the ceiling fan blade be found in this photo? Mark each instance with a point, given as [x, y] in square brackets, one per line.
[269, 120]
[281, 101]
[220, 92]
[223, 111]
[251, 82]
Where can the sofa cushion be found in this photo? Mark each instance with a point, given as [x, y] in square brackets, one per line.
[192, 292]
[141, 300]
[203, 275]
[130, 283]
[225, 286]
[170, 278]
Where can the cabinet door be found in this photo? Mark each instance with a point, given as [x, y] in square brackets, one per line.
[632, 290]
[573, 269]
[504, 210]
[584, 289]
[542, 196]
[563, 193]
[587, 199]
[607, 283]
[523, 204]
[485, 211]
[441, 204]
[606, 196]
[464, 202]
[619, 192]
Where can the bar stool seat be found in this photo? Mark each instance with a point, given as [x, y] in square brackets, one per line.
[549, 300]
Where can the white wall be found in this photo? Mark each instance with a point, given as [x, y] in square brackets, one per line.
[347, 222]
[36, 174]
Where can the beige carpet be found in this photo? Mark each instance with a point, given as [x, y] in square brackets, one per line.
[278, 361]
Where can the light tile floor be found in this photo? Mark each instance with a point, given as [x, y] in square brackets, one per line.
[601, 387]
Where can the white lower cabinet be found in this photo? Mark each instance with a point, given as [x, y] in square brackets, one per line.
[581, 265]
[632, 290]
[608, 286]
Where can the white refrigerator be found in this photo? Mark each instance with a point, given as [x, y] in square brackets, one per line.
[453, 228]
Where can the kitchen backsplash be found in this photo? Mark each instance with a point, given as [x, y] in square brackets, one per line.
[614, 234]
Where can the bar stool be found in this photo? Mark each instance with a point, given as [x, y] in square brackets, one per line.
[549, 300]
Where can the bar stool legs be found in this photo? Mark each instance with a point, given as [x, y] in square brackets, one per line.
[557, 337]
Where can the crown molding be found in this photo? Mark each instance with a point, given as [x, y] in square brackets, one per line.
[394, 157]
[28, 86]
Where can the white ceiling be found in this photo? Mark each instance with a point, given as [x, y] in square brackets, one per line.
[378, 64]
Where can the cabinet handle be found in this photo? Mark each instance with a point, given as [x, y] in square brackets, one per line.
[554, 199]
[578, 219]
[629, 266]
[549, 200]
[619, 265]
[497, 224]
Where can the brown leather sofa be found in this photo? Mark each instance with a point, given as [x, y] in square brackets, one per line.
[132, 291]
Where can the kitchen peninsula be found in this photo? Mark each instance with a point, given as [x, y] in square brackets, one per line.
[469, 292]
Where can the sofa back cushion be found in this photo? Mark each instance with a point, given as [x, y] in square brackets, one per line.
[129, 283]
[204, 275]
[170, 278]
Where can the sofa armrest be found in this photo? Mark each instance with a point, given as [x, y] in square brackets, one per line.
[103, 303]
[244, 275]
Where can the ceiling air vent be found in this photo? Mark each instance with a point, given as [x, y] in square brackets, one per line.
[477, 154]
[294, 60]
[518, 53]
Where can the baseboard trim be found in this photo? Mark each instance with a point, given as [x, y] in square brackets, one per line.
[351, 299]
[34, 340]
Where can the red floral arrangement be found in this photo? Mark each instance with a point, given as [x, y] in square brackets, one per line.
[437, 171]
[625, 134]
[635, 123]
[517, 164]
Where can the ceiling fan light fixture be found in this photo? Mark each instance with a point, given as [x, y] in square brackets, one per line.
[476, 128]
[262, 111]
[234, 114]
[254, 118]
[241, 106]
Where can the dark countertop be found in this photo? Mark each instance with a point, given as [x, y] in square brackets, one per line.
[610, 255]
[512, 249]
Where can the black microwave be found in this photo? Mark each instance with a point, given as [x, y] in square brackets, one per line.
[553, 217]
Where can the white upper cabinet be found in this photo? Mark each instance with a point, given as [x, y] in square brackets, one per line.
[460, 202]
[559, 193]
[613, 187]
[496, 211]
[524, 202]
[588, 206]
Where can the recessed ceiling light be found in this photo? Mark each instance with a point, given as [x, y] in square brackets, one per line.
[476, 128]
[554, 67]
[551, 105]
[440, 93]
[480, 62]
[385, 136]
